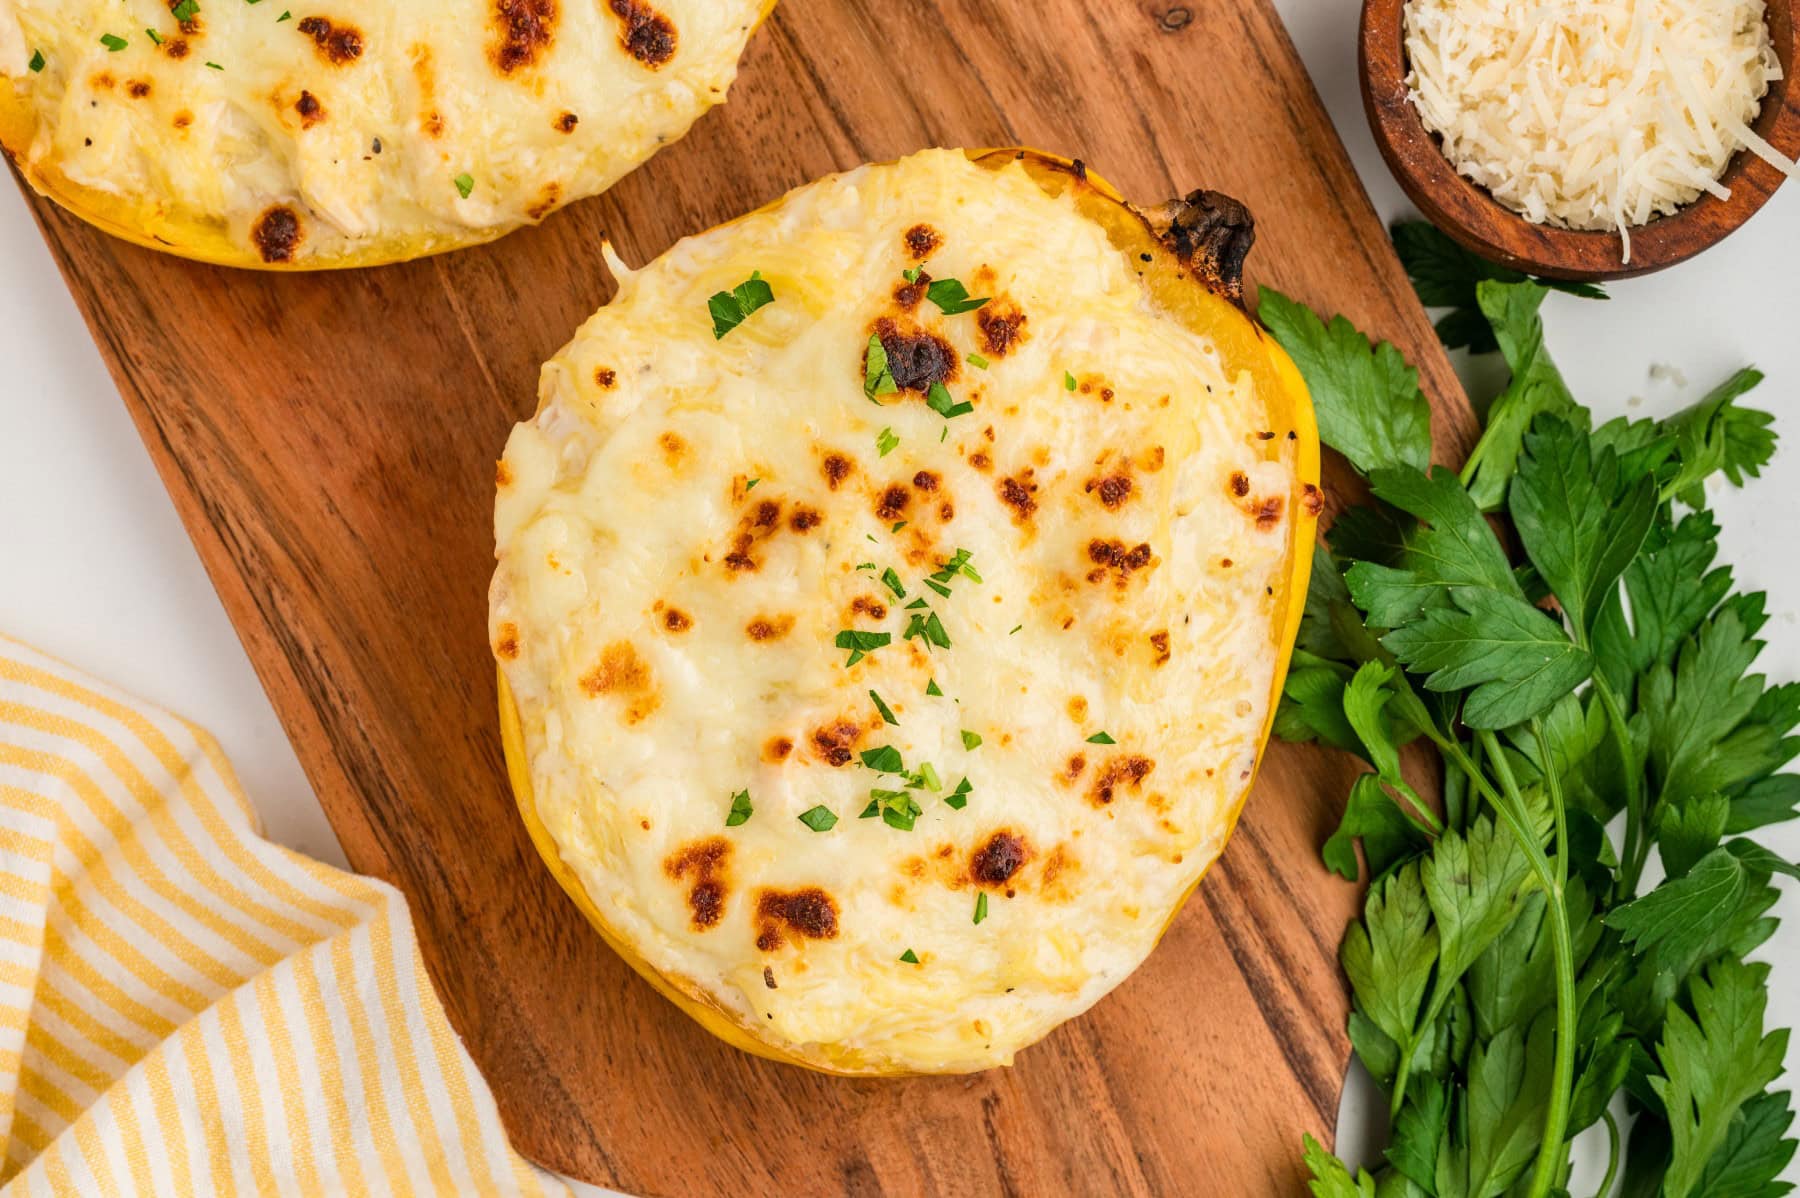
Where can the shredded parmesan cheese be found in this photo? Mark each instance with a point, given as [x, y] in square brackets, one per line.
[1592, 114]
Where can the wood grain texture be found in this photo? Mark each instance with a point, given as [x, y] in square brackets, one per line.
[1465, 210]
[330, 443]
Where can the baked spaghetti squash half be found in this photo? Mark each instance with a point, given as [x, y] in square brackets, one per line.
[331, 133]
[893, 590]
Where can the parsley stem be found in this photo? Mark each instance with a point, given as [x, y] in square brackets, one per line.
[1612, 1155]
[1562, 1080]
[1633, 852]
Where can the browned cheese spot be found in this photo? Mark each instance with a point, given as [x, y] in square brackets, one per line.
[1312, 499]
[1266, 511]
[137, 89]
[676, 620]
[1154, 458]
[925, 480]
[946, 511]
[805, 519]
[916, 359]
[758, 524]
[1019, 493]
[908, 295]
[981, 461]
[863, 605]
[673, 447]
[1000, 857]
[1112, 555]
[566, 122]
[1077, 763]
[276, 234]
[835, 743]
[769, 628]
[431, 122]
[646, 34]
[1112, 491]
[891, 504]
[769, 977]
[183, 119]
[794, 915]
[175, 47]
[703, 865]
[921, 240]
[525, 29]
[103, 81]
[1239, 483]
[776, 749]
[1058, 865]
[548, 196]
[837, 468]
[625, 675]
[310, 110]
[336, 44]
[605, 378]
[503, 475]
[507, 647]
[1128, 771]
[1002, 328]
[1159, 641]
[1078, 709]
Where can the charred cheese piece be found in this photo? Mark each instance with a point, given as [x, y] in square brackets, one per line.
[976, 612]
[330, 133]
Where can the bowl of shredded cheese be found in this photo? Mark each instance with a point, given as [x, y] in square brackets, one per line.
[1584, 139]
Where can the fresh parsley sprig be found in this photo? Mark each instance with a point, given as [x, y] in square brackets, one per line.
[1510, 976]
[729, 309]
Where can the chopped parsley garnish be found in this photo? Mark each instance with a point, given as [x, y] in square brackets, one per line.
[971, 740]
[729, 308]
[155, 37]
[928, 626]
[865, 565]
[927, 777]
[981, 906]
[185, 10]
[1014, 629]
[931, 687]
[750, 485]
[892, 582]
[917, 603]
[1068, 381]
[939, 587]
[740, 809]
[897, 809]
[887, 713]
[285, 16]
[860, 643]
[113, 42]
[897, 526]
[819, 819]
[951, 296]
[215, 66]
[959, 798]
[910, 957]
[977, 361]
[912, 273]
[885, 759]
[939, 400]
[37, 60]
[885, 442]
[958, 564]
[877, 378]
[1101, 738]
[465, 183]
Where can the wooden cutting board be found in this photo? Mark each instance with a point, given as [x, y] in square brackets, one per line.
[330, 440]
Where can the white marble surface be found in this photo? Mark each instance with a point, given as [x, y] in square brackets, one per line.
[95, 567]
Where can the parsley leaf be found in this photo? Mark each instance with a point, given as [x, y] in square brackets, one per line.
[1445, 276]
[729, 309]
[860, 643]
[37, 61]
[951, 296]
[981, 906]
[878, 378]
[113, 42]
[819, 819]
[1367, 397]
[1101, 738]
[887, 714]
[1681, 914]
[971, 741]
[939, 400]
[1453, 547]
[741, 810]
[959, 798]
[910, 957]
[891, 580]
[885, 442]
[1715, 434]
[977, 361]
[1536, 386]
[1331, 1177]
[1713, 1062]
[1372, 816]
[465, 184]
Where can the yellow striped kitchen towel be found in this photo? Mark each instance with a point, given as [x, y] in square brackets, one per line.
[188, 1009]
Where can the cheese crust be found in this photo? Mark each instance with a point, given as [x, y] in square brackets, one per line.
[690, 522]
[327, 134]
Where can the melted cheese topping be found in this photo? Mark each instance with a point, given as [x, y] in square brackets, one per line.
[688, 523]
[312, 132]
[1592, 115]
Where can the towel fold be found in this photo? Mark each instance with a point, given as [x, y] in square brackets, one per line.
[188, 1009]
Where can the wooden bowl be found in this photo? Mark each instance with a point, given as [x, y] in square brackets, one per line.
[1464, 209]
